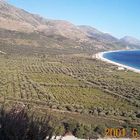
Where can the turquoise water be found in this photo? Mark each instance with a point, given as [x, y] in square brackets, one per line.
[129, 58]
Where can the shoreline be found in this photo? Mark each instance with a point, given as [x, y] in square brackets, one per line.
[2, 52]
[100, 57]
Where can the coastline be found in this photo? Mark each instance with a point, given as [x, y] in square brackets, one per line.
[2, 52]
[100, 57]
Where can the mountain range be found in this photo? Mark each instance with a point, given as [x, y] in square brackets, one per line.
[21, 29]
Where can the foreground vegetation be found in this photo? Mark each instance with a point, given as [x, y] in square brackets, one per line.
[91, 94]
[20, 123]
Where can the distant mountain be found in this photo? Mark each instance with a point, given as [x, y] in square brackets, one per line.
[62, 28]
[13, 18]
[130, 41]
[96, 34]
[89, 30]
[20, 28]
[16, 19]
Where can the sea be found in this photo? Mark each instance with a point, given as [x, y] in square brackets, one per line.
[129, 58]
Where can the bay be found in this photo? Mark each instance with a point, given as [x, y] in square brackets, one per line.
[129, 58]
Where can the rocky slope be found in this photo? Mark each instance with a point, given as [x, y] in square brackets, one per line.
[96, 34]
[20, 28]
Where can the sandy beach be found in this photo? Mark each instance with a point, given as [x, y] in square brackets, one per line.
[2, 52]
[100, 57]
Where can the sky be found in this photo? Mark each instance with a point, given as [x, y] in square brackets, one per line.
[117, 17]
